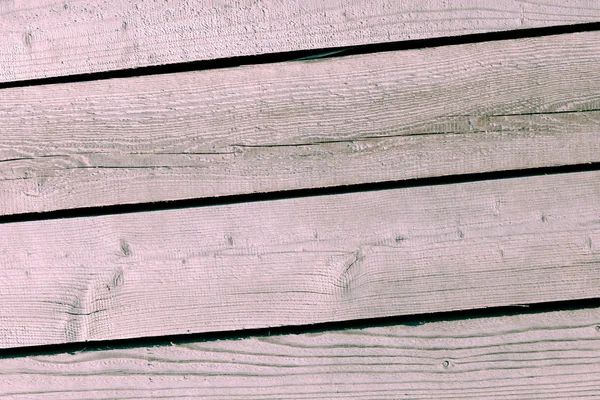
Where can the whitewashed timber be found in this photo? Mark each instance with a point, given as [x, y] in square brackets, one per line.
[301, 261]
[553, 355]
[450, 110]
[45, 38]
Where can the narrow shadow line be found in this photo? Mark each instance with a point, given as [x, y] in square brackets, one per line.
[306, 55]
[410, 320]
[117, 209]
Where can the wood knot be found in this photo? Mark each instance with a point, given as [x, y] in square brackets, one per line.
[125, 248]
[27, 37]
[351, 270]
[118, 279]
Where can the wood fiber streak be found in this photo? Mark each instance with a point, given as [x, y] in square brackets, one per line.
[371, 118]
[43, 38]
[301, 261]
[543, 356]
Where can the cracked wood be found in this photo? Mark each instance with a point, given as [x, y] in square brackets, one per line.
[389, 116]
[49, 38]
[301, 261]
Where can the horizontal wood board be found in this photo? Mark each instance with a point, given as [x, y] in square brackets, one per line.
[389, 116]
[301, 261]
[553, 355]
[43, 38]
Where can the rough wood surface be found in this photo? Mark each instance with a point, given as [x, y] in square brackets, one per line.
[389, 116]
[54, 38]
[543, 356]
[301, 261]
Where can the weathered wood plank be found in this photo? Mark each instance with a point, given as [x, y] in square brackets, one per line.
[388, 116]
[301, 261]
[49, 38]
[544, 356]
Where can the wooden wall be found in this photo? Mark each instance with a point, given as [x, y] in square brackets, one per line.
[288, 199]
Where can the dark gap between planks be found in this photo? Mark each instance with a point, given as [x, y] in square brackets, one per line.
[409, 320]
[307, 55]
[84, 212]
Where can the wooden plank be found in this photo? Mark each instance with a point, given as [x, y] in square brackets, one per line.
[301, 261]
[371, 118]
[554, 355]
[48, 38]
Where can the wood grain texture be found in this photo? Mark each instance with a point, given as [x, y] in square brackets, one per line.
[371, 118]
[48, 38]
[543, 356]
[301, 261]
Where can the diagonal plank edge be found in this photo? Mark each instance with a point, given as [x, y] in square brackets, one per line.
[390, 116]
[47, 38]
[547, 355]
[301, 261]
